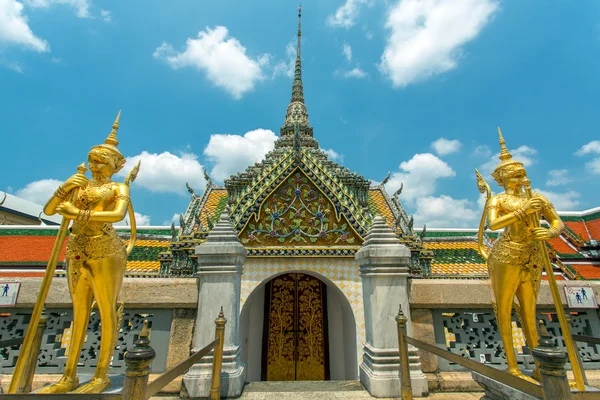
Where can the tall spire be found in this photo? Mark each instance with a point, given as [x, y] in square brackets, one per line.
[297, 90]
[296, 116]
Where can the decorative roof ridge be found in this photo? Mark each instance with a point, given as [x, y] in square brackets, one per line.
[427, 239]
[583, 213]
[380, 233]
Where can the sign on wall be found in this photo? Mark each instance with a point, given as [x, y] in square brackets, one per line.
[580, 297]
[9, 291]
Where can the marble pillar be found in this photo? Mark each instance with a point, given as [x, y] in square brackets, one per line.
[384, 269]
[220, 261]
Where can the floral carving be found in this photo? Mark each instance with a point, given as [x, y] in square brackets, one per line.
[297, 212]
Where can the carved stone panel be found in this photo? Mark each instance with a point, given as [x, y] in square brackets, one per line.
[53, 352]
[474, 334]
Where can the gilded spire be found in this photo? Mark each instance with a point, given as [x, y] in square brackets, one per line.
[296, 116]
[504, 154]
[112, 137]
[297, 90]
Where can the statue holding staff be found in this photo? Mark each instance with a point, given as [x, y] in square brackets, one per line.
[96, 256]
[515, 261]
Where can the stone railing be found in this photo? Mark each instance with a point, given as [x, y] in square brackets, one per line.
[169, 306]
[457, 316]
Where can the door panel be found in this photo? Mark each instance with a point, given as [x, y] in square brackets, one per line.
[295, 332]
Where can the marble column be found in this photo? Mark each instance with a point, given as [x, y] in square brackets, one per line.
[384, 269]
[220, 261]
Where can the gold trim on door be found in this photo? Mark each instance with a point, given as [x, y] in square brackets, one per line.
[295, 336]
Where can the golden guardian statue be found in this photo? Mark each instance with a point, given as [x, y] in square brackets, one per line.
[516, 259]
[95, 255]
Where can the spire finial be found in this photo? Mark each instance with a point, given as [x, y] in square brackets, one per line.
[297, 90]
[504, 154]
[112, 137]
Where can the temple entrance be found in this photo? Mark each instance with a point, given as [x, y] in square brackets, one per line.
[295, 334]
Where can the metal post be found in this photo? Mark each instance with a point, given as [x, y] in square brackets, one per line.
[138, 361]
[215, 387]
[32, 358]
[552, 367]
[405, 384]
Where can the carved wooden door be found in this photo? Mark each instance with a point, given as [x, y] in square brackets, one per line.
[295, 332]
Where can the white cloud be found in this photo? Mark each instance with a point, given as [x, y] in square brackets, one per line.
[140, 220]
[222, 58]
[592, 147]
[482, 151]
[173, 220]
[443, 146]
[286, 67]
[166, 172]
[426, 36]
[105, 15]
[355, 72]
[82, 6]
[523, 154]
[445, 211]
[39, 192]
[14, 29]
[345, 16]
[347, 51]
[566, 201]
[593, 166]
[419, 176]
[233, 153]
[557, 177]
[333, 155]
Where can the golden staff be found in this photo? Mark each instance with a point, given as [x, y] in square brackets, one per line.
[564, 326]
[41, 299]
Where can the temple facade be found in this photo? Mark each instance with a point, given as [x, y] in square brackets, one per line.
[310, 262]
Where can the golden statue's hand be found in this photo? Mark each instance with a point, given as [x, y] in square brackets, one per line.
[542, 234]
[67, 210]
[533, 205]
[74, 182]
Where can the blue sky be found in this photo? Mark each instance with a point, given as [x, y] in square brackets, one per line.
[206, 84]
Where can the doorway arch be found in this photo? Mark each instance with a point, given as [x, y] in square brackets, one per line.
[342, 343]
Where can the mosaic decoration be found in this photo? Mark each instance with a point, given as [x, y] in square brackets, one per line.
[475, 335]
[342, 272]
[57, 337]
[298, 213]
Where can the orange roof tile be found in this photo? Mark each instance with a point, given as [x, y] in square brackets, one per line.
[587, 271]
[22, 249]
[214, 197]
[459, 269]
[579, 228]
[24, 274]
[561, 246]
[594, 228]
[382, 206]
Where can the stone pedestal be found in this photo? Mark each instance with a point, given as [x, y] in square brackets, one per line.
[220, 261]
[384, 264]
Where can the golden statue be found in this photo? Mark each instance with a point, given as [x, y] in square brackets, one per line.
[96, 256]
[515, 261]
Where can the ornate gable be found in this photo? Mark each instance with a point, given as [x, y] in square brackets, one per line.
[299, 210]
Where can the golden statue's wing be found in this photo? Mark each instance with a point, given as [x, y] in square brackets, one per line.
[133, 174]
[130, 178]
[483, 188]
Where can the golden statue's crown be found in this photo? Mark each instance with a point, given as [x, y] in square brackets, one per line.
[111, 142]
[506, 160]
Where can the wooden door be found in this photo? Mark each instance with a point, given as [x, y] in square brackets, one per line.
[295, 342]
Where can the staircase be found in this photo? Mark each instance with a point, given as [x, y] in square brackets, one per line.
[296, 390]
